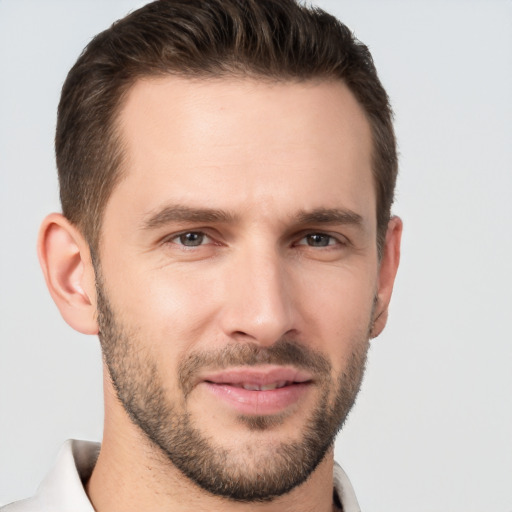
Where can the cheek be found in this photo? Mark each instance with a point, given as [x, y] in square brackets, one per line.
[337, 313]
[175, 309]
[168, 308]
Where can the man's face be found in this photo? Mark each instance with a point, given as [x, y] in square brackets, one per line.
[239, 272]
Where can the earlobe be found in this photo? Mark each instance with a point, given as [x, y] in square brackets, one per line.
[66, 263]
[387, 272]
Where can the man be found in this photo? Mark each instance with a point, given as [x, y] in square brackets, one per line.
[227, 170]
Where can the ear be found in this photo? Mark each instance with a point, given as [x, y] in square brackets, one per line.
[67, 267]
[387, 272]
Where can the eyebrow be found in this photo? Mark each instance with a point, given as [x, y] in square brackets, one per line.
[329, 216]
[179, 213]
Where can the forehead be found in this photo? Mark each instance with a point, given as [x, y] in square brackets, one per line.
[234, 143]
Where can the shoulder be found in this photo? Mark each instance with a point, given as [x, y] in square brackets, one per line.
[62, 489]
[27, 505]
[344, 490]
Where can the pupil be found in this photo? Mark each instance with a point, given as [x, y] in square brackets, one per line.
[191, 239]
[318, 240]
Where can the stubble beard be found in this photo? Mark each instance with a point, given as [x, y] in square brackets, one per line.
[255, 472]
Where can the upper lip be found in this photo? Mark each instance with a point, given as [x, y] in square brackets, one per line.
[257, 376]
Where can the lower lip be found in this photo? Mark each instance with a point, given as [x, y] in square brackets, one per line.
[255, 403]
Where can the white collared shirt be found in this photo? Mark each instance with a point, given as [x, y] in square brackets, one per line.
[62, 490]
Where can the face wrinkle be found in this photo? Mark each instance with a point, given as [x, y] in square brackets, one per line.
[215, 469]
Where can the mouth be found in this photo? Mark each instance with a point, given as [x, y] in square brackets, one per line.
[256, 387]
[258, 391]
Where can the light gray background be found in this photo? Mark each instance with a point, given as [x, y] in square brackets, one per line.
[432, 428]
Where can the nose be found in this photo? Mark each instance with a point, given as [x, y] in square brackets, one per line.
[258, 303]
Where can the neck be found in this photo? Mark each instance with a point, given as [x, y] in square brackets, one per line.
[132, 474]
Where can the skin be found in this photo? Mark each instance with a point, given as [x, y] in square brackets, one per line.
[267, 154]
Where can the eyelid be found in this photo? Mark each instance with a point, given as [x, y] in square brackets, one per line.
[172, 238]
[300, 237]
[340, 239]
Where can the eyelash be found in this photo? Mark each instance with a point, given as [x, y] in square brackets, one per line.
[320, 234]
[201, 234]
[331, 239]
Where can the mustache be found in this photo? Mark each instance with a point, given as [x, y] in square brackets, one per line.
[284, 352]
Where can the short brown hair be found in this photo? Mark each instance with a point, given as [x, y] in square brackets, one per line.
[271, 39]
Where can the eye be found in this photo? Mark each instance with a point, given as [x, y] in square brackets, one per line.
[318, 240]
[191, 239]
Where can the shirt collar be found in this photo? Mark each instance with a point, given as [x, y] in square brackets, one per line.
[63, 487]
